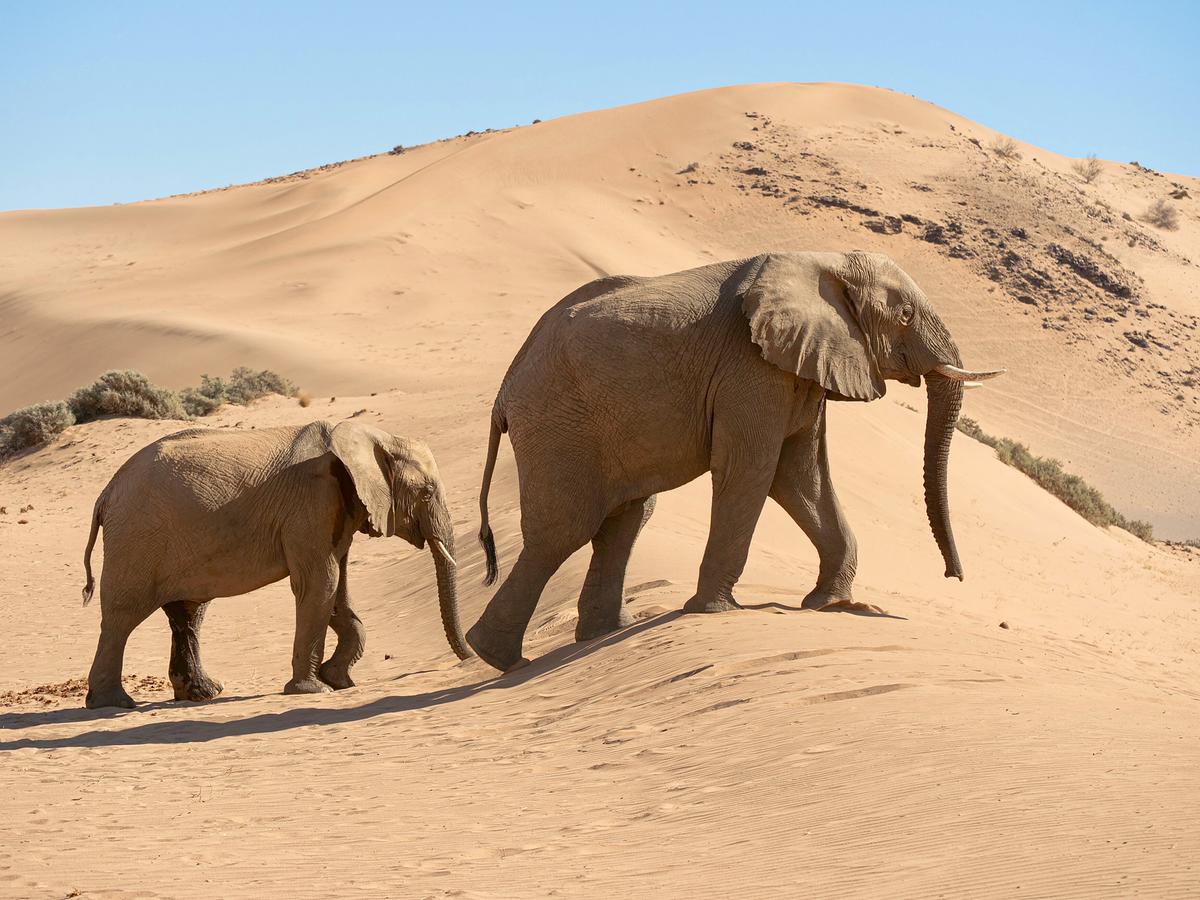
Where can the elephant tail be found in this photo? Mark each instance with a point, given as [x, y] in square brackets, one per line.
[97, 521]
[486, 539]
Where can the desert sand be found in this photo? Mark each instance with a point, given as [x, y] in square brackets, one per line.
[1032, 731]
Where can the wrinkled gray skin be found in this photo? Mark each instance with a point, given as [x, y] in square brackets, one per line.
[631, 386]
[207, 513]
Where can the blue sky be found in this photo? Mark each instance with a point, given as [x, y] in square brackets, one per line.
[117, 101]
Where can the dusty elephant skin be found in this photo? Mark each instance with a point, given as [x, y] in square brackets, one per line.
[204, 513]
[631, 386]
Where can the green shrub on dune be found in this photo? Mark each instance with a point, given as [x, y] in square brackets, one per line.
[1049, 474]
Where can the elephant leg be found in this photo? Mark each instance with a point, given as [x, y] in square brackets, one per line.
[122, 610]
[602, 601]
[748, 432]
[500, 632]
[315, 584]
[188, 677]
[351, 636]
[803, 487]
[738, 500]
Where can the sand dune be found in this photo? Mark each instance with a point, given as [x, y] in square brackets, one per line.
[766, 752]
[337, 277]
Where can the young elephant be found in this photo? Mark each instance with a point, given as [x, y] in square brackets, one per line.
[206, 513]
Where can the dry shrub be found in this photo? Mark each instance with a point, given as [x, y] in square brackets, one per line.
[1048, 473]
[246, 384]
[242, 386]
[128, 393]
[1162, 214]
[33, 425]
[1088, 168]
[124, 392]
[1006, 148]
[200, 401]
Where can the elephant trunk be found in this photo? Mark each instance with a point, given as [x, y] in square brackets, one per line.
[438, 528]
[447, 583]
[945, 400]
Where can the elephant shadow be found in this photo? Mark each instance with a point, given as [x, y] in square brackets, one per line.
[199, 731]
[869, 612]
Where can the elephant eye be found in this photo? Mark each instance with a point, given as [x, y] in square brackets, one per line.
[907, 313]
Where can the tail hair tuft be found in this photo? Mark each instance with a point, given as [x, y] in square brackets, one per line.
[488, 542]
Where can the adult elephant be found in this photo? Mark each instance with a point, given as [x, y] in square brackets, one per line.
[631, 386]
[210, 513]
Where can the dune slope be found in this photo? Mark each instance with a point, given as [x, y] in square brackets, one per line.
[762, 751]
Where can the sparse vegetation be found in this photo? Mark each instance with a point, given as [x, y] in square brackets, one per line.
[200, 401]
[1048, 473]
[397, 150]
[124, 392]
[32, 426]
[1006, 148]
[1088, 168]
[1162, 214]
[242, 386]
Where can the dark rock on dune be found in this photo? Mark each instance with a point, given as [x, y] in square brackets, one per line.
[886, 225]
[1089, 271]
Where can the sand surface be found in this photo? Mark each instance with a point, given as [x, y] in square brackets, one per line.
[762, 753]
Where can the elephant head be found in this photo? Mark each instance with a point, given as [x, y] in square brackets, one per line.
[397, 482]
[849, 322]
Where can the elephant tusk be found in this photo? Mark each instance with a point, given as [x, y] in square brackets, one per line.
[440, 549]
[954, 373]
[969, 385]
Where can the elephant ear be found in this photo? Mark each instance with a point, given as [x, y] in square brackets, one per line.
[803, 317]
[363, 451]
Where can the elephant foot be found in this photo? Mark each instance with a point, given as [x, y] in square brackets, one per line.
[500, 650]
[197, 689]
[827, 601]
[98, 699]
[697, 604]
[307, 686]
[594, 625]
[334, 675]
